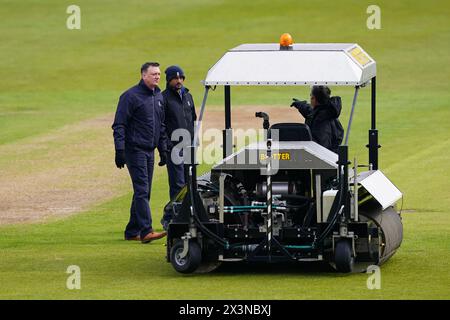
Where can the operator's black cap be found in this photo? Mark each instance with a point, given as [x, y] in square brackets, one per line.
[173, 72]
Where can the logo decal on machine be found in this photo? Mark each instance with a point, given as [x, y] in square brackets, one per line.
[276, 156]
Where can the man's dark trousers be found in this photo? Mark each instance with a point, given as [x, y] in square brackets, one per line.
[140, 166]
[176, 174]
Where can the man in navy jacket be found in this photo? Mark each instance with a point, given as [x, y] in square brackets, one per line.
[138, 129]
[180, 116]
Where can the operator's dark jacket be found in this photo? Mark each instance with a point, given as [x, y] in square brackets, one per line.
[180, 112]
[139, 121]
[323, 121]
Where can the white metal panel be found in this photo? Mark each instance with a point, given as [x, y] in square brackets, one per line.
[328, 197]
[305, 64]
[382, 189]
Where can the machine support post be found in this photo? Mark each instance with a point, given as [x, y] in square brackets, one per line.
[355, 190]
[343, 173]
[200, 118]
[350, 120]
[227, 107]
[227, 136]
[221, 197]
[373, 148]
[318, 193]
[193, 171]
[227, 145]
[190, 158]
[373, 132]
[373, 103]
[269, 198]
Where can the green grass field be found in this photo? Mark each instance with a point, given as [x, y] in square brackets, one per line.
[52, 78]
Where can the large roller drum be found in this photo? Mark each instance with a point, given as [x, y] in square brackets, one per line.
[390, 226]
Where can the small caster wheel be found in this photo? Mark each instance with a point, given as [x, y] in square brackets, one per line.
[190, 262]
[343, 256]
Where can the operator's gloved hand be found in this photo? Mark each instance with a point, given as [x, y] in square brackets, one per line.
[302, 106]
[163, 158]
[120, 158]
[299, 104]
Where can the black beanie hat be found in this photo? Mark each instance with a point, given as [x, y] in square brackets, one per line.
[173, 72]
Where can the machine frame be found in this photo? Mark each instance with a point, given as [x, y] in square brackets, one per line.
[198, 243]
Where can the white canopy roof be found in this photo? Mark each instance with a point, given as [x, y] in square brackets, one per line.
[304, 64]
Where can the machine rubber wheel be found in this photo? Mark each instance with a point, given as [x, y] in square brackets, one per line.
[191, 262]
[343, 256]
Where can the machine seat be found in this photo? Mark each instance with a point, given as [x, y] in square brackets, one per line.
[293, 131]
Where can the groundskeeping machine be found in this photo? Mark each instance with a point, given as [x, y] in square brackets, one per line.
[286, 198]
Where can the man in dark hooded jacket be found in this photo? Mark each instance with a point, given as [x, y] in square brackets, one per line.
[179, 119]
[322, 117]
[179, 114]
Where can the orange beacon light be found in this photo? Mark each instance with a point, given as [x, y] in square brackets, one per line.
[285, 41]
